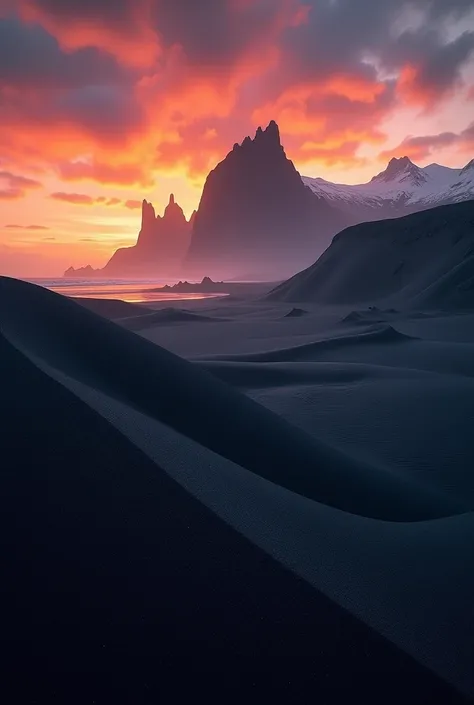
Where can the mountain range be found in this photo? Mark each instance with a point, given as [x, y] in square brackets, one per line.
[260, 218]
[401, 189]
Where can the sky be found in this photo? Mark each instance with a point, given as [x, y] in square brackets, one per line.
[106, 102]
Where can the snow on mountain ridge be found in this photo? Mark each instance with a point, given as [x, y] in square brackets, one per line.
[401, 186]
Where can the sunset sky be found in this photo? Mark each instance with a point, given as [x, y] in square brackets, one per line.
[105, 102]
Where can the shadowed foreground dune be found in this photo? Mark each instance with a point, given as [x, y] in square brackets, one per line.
[118, 586]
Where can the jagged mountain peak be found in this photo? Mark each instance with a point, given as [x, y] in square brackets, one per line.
[401, 169]
[264, 138]
[173, 210]
[270, 134]
[148, 214]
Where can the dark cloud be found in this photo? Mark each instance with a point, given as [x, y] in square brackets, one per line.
[423, 146]
[108, 112]
[436, 65]
[116, 12]
[215, 32]
[360, 38]
[30, 56]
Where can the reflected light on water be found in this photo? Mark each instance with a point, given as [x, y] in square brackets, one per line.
[129, 292]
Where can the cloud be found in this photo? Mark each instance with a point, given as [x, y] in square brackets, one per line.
[82, 199]
[423, 146]
[14, 186]
[78, 199]
[110, 174]
[122, 28]
[133, 204]
[30, 55]
[27, 227]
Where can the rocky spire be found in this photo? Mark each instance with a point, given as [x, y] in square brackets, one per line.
[272, 132]
[173, 211]
[148, 215]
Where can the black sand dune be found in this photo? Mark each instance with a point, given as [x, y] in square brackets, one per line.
[374, 334]
[370, 315]
[254, 375]
[119, 587]
[170, 389]
[112, 308]
[296, 313]
[423, 259]
[166, 316]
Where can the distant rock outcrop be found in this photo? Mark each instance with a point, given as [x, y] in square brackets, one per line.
[423, 260]
[257, 216]
[206, 286]
[85, 272]
[161, 246]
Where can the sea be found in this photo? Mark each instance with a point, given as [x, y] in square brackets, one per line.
[132, 291]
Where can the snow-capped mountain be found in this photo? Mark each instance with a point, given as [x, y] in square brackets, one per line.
[402, 188]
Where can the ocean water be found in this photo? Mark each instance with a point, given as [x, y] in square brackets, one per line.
[132, 291]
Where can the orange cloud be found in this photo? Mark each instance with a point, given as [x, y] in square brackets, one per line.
[133, 205]
[111, 173]
[27, 227]
[82, 199]
[14, 186]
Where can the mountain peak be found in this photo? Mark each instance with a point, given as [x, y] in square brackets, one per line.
[270, 136]
[401, 169]
[272, 132]
[173, 210]
[148, 214]
[469, 167]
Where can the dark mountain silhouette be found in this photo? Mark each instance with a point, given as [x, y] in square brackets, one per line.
[257, 216]
[424, 259]
[161, 246]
